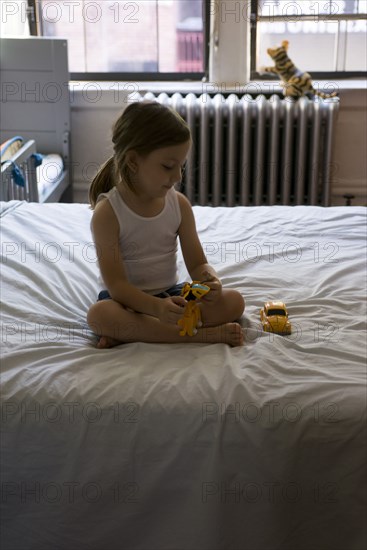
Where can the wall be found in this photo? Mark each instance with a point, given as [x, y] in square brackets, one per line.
[94, 109]
[350, 148]
[96, 106]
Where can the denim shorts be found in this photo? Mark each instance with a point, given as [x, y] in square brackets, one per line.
[173, 291]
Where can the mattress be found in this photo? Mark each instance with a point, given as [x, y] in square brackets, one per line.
[186, 446]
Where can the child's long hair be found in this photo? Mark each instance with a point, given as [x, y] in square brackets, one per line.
[144, 126]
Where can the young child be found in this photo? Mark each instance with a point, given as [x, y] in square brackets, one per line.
[137, 217]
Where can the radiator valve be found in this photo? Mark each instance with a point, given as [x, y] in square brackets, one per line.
[348, 199]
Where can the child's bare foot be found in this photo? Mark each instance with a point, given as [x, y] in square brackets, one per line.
[229, 333]
[234, 334]
[106, 342]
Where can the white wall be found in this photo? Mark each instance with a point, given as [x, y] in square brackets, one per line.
[350, 147]
[94, 110]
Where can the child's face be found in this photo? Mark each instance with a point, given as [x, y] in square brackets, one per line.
[160, 170]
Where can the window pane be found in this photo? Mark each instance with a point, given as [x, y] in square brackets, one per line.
[355, 6]
[356, 58]
[128, 36]
[290, 10]
[311, 45]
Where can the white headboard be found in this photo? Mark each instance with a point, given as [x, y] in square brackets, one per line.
[35, 101]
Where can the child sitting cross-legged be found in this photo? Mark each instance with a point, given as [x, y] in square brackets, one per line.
[138, 216]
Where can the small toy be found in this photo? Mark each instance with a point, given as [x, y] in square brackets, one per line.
[296, 82]
[274, 318]
[192, 316]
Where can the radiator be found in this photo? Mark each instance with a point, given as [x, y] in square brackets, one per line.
[256, 151]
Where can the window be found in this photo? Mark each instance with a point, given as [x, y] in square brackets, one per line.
[170, 39]
[326, 37]
[139, 39]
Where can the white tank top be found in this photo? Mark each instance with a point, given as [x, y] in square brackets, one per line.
[148, 245]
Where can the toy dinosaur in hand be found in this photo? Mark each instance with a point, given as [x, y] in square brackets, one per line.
[192, 315]
[296, 83]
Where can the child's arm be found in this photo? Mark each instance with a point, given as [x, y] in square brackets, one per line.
[105, 228]
[193, 254]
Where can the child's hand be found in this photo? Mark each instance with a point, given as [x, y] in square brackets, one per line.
[215, 287]
[171, 309]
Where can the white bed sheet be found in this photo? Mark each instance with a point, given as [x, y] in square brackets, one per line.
[186, 446]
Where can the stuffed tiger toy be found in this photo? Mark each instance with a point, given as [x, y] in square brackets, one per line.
[296, 82]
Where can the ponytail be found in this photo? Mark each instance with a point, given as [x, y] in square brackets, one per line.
[103, 181]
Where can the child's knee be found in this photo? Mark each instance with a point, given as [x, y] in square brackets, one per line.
[233, 304]
[93, 317]
[98, 314]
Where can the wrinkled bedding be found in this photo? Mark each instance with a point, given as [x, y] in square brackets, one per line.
[186, 446]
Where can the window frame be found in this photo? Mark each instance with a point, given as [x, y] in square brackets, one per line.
[322, 75]
[35, 25]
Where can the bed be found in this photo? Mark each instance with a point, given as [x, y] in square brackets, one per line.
[35, 116]
[186, 446]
